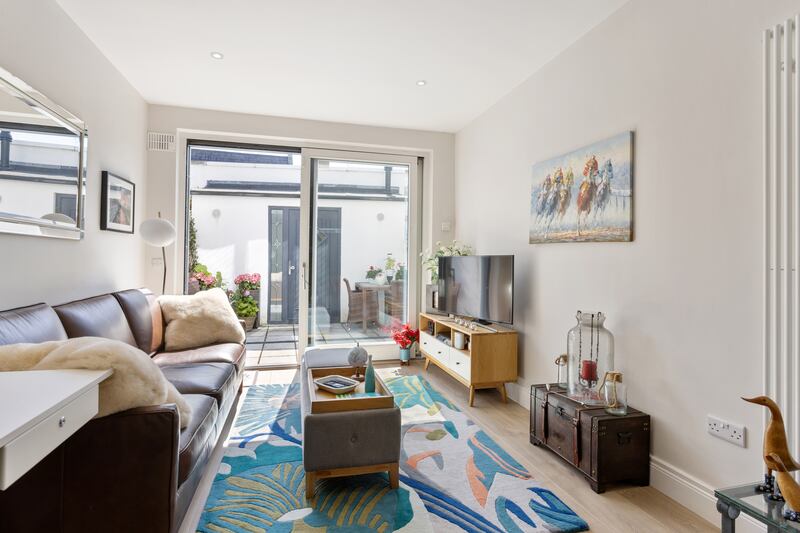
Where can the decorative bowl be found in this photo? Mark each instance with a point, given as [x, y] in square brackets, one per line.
[336, 384]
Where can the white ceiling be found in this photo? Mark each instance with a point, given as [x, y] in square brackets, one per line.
[351, 61]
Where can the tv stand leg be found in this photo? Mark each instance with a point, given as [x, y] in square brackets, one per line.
[471, 395]
[427, 362]
[502, 389]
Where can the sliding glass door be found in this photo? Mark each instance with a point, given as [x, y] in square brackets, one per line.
[362, 226]
[331, 235]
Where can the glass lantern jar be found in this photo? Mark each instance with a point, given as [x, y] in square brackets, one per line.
[590, 347]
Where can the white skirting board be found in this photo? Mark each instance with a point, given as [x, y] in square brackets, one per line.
[694, 495]
[685, 489]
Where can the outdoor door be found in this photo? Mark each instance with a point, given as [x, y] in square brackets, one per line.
[284, 238]
[284, 255]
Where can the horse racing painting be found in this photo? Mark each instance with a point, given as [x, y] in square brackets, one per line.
[584, 195]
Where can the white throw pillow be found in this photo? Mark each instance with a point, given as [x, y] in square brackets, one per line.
[199, 320]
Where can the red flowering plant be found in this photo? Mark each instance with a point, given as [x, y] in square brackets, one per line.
[405, 335]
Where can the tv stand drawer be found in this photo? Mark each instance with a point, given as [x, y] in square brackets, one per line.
[435, 348]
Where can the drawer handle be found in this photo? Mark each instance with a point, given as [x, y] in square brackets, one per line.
[62, 421]
[458, 362]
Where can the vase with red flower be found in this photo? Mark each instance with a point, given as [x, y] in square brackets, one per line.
[405, 336]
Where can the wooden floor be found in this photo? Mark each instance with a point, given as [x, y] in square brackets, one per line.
[619, 510]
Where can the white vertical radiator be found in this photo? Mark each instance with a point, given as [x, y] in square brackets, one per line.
[781, 48]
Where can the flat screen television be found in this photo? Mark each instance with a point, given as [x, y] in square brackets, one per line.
[477, 286]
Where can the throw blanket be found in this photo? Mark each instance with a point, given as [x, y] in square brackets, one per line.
[137, 381]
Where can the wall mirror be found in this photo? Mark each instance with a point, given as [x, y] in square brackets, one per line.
[42, 164]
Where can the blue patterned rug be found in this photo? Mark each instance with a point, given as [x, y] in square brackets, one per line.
[453, 476]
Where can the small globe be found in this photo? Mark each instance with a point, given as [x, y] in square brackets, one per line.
[357, 356]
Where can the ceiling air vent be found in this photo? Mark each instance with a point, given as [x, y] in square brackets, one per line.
[160, 142]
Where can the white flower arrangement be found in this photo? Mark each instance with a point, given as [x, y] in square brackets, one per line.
[430, 261]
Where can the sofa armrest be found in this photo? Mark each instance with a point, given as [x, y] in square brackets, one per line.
[352, 438]
[113, 461]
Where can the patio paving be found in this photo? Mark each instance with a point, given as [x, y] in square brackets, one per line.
[276, 344]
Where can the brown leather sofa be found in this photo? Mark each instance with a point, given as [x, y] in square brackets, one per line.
[130, 471]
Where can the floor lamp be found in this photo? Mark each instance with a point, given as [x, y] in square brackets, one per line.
[161, 233]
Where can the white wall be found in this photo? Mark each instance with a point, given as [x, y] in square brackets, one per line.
[165, 174]
[684, 299]
[40, 44]
[236, 241]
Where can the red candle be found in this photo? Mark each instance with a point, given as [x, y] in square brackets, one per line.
[588, 370]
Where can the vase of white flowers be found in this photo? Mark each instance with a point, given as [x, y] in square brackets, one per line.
[430, 262]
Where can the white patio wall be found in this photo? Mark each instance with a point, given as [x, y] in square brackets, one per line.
[235, 241]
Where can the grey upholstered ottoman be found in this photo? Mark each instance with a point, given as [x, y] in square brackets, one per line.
[346, 443]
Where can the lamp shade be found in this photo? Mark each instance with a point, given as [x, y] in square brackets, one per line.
[157, 232]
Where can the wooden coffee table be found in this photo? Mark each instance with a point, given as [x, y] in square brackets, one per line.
[326, 402]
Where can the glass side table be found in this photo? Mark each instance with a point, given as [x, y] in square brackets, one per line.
[745, 499]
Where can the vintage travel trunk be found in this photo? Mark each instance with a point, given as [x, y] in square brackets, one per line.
[606, 448]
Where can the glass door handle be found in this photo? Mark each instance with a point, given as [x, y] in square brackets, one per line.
[291, 269]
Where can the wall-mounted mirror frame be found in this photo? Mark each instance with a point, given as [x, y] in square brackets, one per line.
[53, 225]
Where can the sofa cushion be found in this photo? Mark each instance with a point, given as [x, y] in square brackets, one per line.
[215, 353]
[197, 438]
[144, 317]
[217, 380]
[100, 316]
[35, 323]
[199, 320]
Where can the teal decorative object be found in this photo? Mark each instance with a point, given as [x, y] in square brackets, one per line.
[405, 355]
[369, 377]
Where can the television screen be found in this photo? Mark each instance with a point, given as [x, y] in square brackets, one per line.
[477, 286]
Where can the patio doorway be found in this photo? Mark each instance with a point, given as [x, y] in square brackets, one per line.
[330, 237]
[284, 250]
[284, 276]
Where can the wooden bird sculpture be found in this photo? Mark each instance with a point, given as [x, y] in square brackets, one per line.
[775, 444]
[788, 487]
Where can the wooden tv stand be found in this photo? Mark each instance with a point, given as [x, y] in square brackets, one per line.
[489, 359]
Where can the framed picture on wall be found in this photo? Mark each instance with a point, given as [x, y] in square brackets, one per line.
[585, 195]
[118, 202]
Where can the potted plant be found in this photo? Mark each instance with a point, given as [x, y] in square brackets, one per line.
[247, 296]
[373, 271]
[204, 279]
[405, 336]
[430, 261]
[400, 275]
[246, 308]
[389, 267]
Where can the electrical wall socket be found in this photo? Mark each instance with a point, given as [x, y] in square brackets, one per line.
[725, 430]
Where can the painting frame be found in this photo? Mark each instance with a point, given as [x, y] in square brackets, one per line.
[585, 194]
[117, 190]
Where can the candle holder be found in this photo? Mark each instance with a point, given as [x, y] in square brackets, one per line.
[590, 348]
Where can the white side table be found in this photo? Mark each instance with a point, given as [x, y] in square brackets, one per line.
[40, 409]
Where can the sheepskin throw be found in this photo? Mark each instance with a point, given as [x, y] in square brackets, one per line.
[199, 320]
[136, 382]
